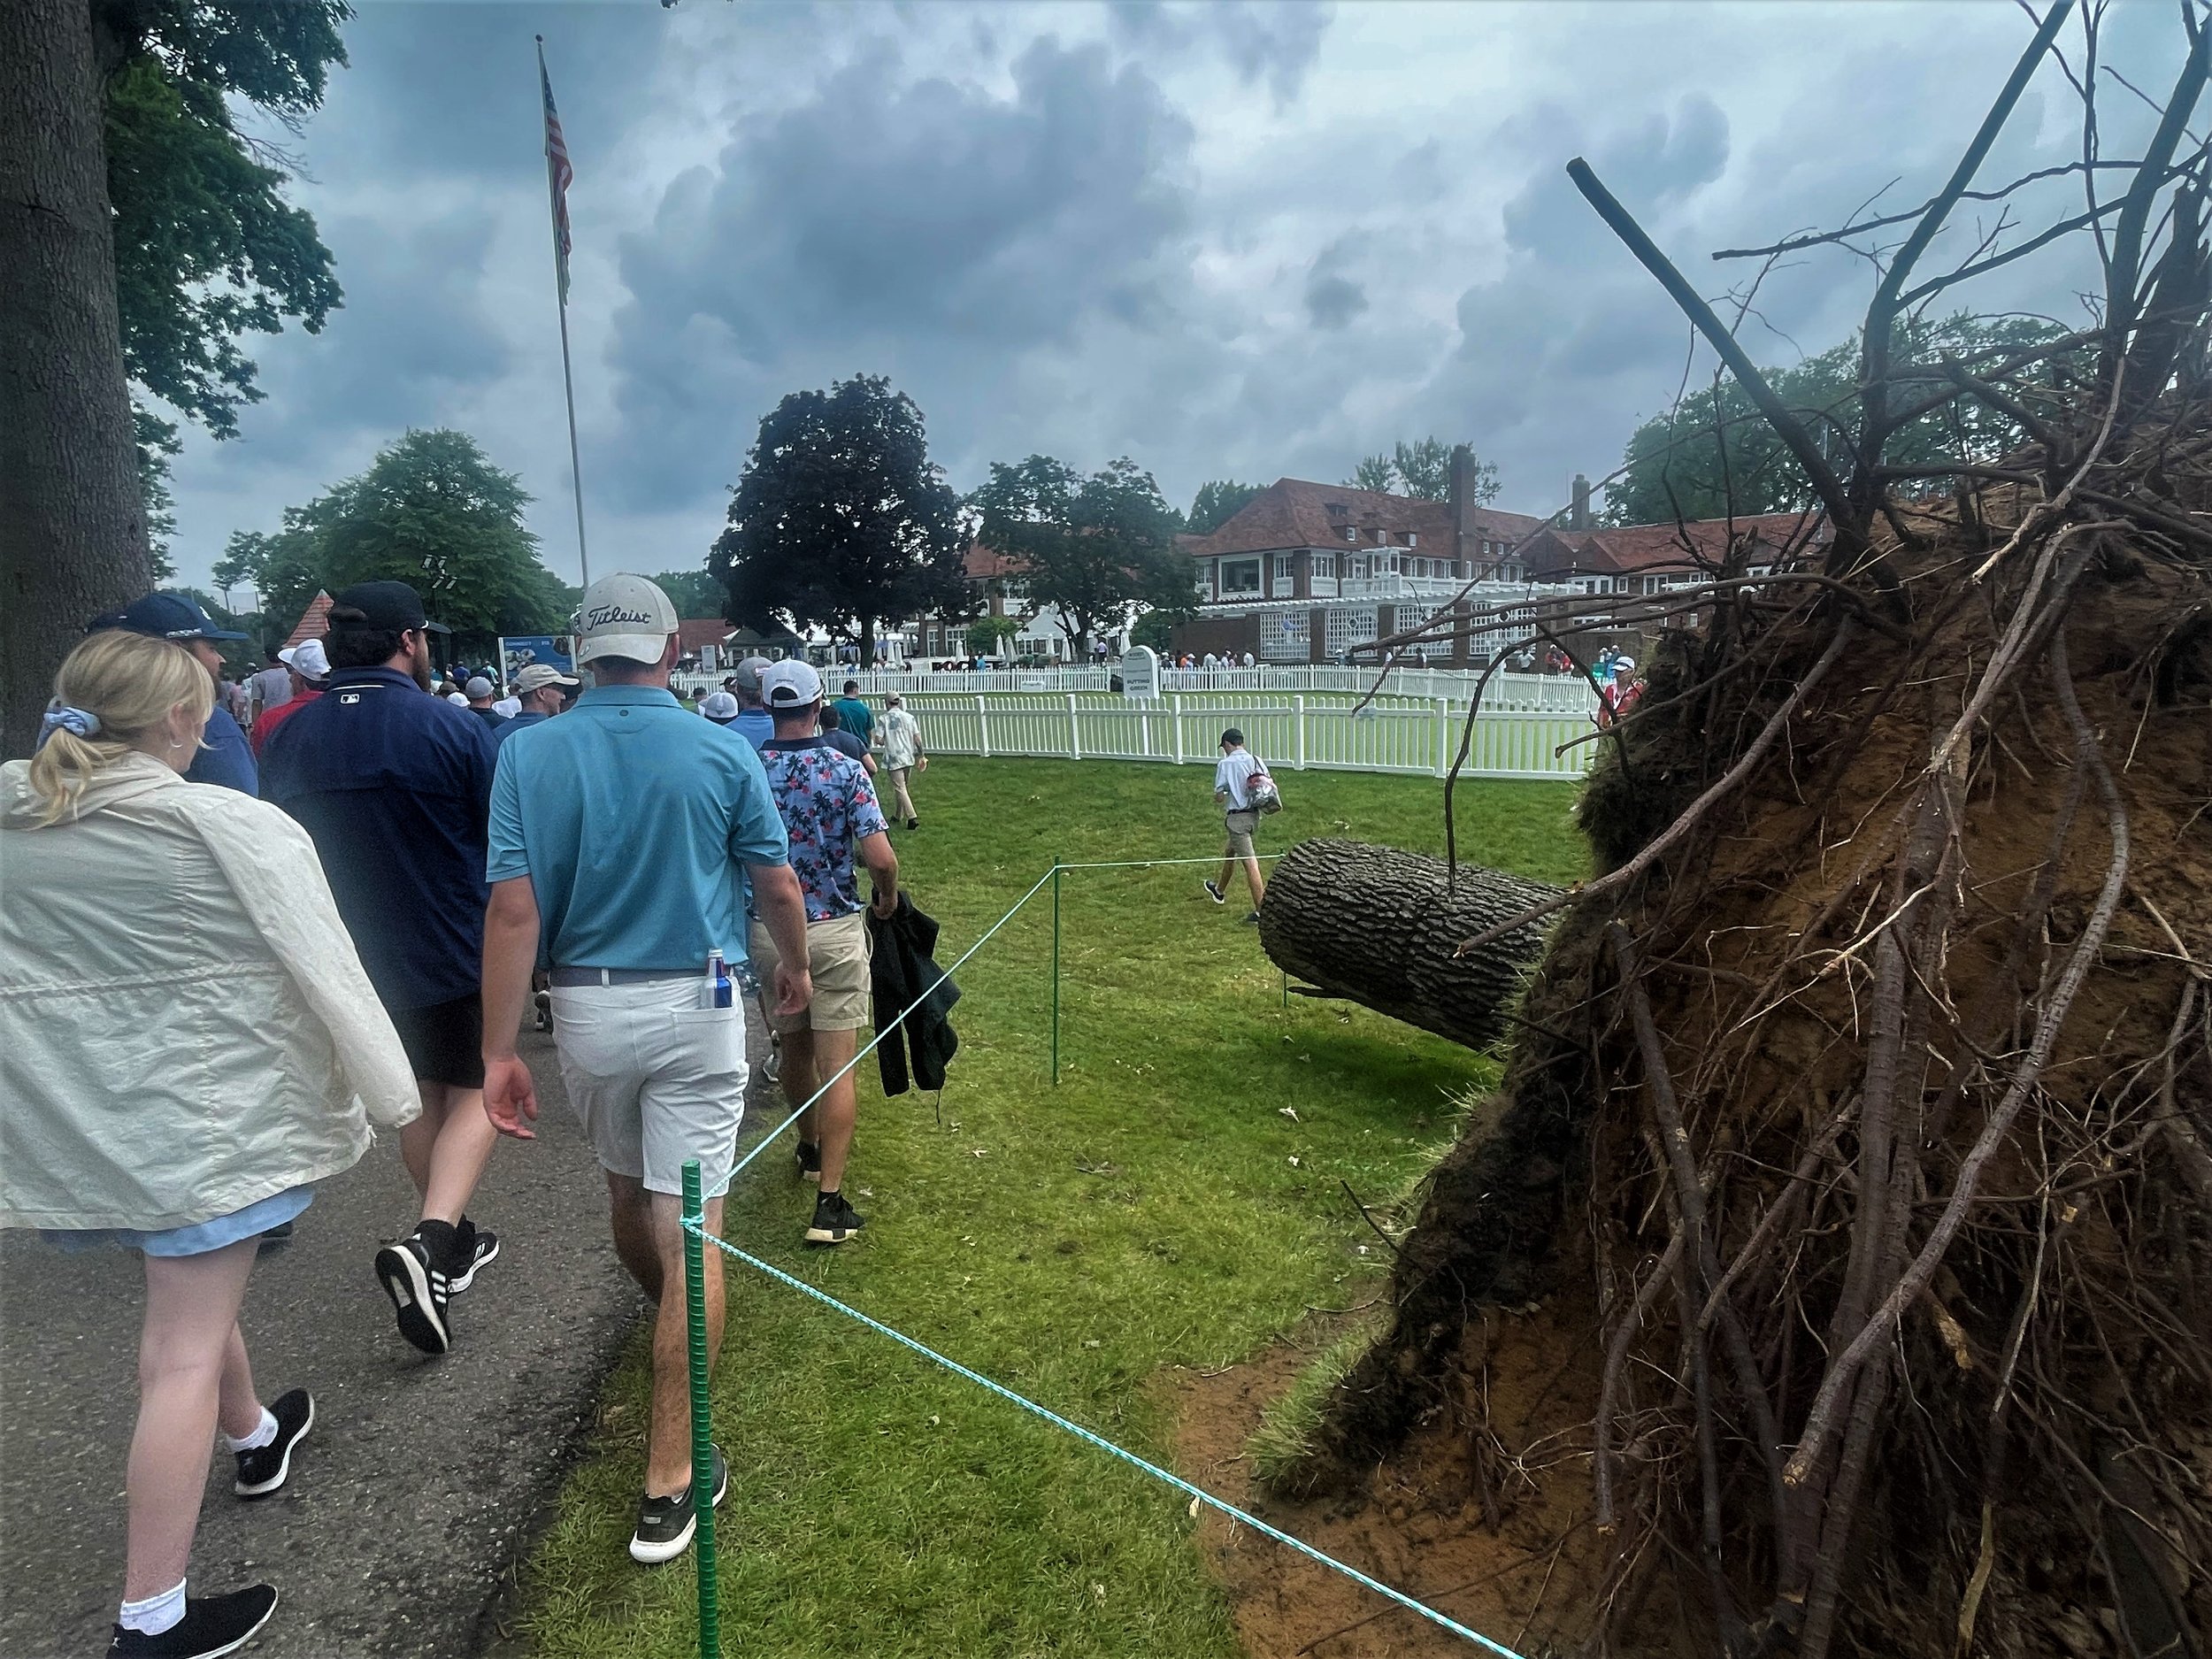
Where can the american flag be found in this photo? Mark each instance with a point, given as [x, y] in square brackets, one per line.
[559, 175]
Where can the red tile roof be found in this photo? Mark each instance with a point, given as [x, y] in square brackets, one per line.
[314, 621]
[1628, 548]
[982, 563]
[1295, 512]
[692, 632]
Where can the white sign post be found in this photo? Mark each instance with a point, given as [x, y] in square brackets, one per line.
[1140, 673]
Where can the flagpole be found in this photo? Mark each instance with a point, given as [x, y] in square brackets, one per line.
[568, 373]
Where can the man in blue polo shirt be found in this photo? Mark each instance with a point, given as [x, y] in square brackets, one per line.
[223, 757]
[622, 835]
[395, 785]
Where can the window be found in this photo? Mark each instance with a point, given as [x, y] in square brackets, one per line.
[1239, 576]
[1351, 535]
[1412, 540]
[1324, 564]
[1282, 565]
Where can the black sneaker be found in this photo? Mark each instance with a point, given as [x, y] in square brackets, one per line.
[262, 1470]
[1253, 918]
[212, 1625]
[834, 1220]
[417, 1285]
[541, 1002]
[771, 1063]
[807, 1155]
[472, 1248]
[665, 1526]
[1214, 892]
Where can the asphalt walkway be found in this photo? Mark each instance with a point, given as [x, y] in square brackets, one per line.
[424, 1478]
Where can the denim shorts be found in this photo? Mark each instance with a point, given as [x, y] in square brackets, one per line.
[196, 1240]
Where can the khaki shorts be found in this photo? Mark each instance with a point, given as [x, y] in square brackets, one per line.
[1241, 826]
[654, 1078]
[837, 956]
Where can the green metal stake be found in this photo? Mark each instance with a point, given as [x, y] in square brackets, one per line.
[694, 1215]
[1055, 973]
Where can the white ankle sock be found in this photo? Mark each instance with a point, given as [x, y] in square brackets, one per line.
[156, 1613]
[261, 1436]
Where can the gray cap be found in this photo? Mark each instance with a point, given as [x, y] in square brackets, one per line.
[748, 678]
[478, 688]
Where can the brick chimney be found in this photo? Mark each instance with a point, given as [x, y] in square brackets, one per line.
[1578, 515]
[1460, 496]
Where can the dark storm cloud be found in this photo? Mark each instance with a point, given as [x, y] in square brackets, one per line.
[892, 223]
[1332, 299]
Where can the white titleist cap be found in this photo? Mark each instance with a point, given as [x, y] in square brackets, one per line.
[790, 684]
[623, 615]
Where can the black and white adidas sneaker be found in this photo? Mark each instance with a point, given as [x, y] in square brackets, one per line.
[263, 1471]
[415, 1279]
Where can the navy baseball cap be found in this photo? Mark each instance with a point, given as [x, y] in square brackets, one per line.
[163, 617]
[387, 605]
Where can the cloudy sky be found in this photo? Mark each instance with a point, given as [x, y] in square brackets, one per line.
[1228, 239]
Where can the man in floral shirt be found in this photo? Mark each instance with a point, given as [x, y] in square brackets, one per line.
[828, 807]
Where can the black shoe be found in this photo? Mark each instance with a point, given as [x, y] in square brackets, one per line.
[542, 1002]
[771, 1063]
[262, 1470]
[212, 1625]
[1254, 917]
[277, 1233]
[913, 823]
[807, 1155]
[417, 1285]
[472, 1248]
[1214, 893]
[834, 1220]
[665, 1526]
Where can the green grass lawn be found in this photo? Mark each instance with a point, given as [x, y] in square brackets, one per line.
[1175, 1201]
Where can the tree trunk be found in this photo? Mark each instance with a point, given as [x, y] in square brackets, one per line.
[867, 642]
[1379, 927]
[73, 525]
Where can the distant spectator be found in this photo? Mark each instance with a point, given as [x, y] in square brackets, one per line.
[188, 1045]
[720, 707]
[542, 691]
[1248, 659]
[1232, 775]
[310, 669]
[834, 733]
[223, 757]
[478, 695]
[752, 723]
[271, 689]
[855, 716]
[902, 756]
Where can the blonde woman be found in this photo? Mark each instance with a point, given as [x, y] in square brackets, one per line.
[162, 1097]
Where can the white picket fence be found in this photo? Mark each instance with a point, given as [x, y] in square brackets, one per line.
[1293, 732]
[1549, 693]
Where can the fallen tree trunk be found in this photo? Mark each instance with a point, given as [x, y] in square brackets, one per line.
[1379, 927]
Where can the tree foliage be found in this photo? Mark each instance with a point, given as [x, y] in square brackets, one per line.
[1422, 469]
[1375, 472]
[1094, 548]
[1712, 454]
[431, 510]
[694, 593]
[841, 520]
[1218, 500]
[985, 633]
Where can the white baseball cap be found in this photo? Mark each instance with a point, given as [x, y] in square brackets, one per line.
[623, 615]
[790, 684]
[720, 707]
[309, 658]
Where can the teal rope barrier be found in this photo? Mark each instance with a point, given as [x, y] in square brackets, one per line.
[1200, 1494]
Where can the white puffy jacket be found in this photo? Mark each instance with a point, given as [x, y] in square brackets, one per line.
[184, 1026]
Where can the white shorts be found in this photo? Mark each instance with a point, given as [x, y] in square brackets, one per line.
[654, 1078]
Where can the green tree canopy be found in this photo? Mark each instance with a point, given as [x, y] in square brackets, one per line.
[1096, 548]
[207, 249]
[694, 593]
[985, 633]
[1422, 469]
[1218, 500]
[1374, 471]
[432, 510]
[841, 520]
[1713, 454]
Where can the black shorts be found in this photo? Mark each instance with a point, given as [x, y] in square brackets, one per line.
[444, 1041]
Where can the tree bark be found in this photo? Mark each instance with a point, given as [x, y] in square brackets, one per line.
[1379, 927]
[72, 525]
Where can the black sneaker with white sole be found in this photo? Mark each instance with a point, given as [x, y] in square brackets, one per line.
[264, 1469]
[807, 1155]
[474, 1246]
[212, 1625]
[1214, 892]
[834, 1220]
[665, 1526]
[1254, 919]
[417, 1284]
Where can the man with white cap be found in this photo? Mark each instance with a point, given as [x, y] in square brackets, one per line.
[309, 667]
[719, 707]
[623, 835]
[542, 691]
[828, 806]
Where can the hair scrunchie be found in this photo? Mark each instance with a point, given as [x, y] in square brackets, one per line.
[61, 718]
